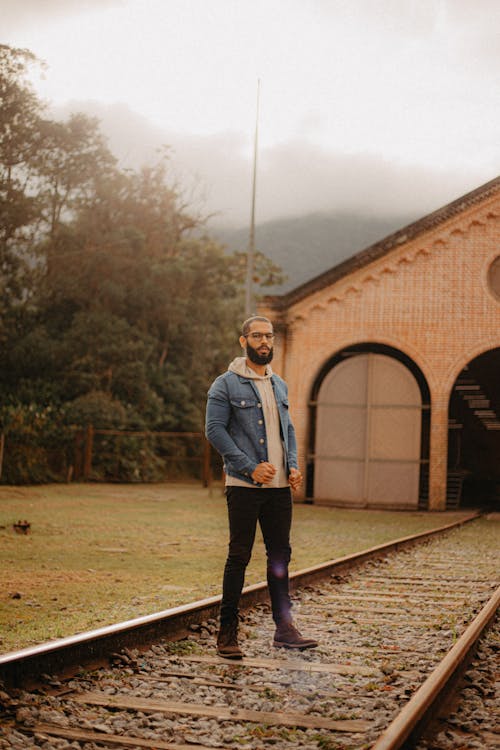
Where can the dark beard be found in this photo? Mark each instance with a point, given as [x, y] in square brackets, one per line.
[257, 358]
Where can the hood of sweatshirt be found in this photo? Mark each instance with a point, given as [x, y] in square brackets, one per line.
[240, 367]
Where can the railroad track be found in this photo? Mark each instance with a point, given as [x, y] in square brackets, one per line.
[395, 624]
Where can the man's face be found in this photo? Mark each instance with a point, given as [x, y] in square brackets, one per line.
[258, 342]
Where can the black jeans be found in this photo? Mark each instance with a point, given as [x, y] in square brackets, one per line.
[272, 508]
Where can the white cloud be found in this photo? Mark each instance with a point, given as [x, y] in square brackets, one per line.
[388, 104]
[214, 173]
[22, 14]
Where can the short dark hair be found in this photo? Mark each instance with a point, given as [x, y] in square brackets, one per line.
[245, 328]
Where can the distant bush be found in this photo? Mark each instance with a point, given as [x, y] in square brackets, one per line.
[38, 447]
[126, 458]
[98, 409]
[44, 444]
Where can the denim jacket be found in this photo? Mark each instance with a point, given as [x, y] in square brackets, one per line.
[235, 427]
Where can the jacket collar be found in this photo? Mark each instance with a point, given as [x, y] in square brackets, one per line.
[243, 379]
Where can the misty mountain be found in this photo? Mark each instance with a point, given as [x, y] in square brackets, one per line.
[306, 246]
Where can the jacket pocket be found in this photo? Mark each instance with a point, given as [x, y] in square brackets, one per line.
[243, 403]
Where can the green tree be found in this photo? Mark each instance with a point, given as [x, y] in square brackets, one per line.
[71, 159]
[20, 119]
[131, 255]
[117, 307]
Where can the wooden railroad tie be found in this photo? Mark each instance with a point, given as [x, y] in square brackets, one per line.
[99, 738]
[292, 665]
[221, 713]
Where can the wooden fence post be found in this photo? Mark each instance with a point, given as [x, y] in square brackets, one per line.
[89, 444]
[78, 456]
[207, 468]
[2, 447]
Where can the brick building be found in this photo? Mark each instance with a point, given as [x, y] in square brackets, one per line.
[393, 364]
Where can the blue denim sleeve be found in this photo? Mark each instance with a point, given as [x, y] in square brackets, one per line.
[292, 447]
[291, 439]
[218, 415]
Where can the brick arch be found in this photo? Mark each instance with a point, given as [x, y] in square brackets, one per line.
[474, 444]
[486, 345]
[378, 347]
[407, 351]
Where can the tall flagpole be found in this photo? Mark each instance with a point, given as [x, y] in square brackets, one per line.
[251, 239]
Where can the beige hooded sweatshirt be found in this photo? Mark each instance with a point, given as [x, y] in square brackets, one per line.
[271, 420]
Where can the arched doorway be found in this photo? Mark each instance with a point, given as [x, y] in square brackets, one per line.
[474, 435]
[370, 441]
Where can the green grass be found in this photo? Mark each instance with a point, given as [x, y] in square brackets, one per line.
[99, 554]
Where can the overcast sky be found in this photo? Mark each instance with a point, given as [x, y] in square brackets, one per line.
[387, 107]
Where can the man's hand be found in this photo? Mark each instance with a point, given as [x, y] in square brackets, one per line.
[264, 473]
[295, 479]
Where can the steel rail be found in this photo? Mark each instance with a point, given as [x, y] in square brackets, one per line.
[411, 721]
[66, 655]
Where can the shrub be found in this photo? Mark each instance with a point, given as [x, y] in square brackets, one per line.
[38, 447]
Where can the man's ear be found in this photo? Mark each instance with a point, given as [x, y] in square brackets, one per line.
[243, 342]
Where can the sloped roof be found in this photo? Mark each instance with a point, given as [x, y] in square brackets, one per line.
[381, 248]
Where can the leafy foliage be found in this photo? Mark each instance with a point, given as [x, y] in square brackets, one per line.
[20, 125]
[39, 446]
[115, 308]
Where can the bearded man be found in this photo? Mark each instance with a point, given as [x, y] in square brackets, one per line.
[248, 423]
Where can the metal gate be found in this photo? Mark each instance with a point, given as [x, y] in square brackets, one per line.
[367, 441]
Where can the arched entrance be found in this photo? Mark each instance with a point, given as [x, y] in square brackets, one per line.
[370, 442]
[474, 434]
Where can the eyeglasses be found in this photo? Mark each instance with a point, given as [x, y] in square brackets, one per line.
[257, 336]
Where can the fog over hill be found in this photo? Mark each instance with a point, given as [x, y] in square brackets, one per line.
[306, 246]
[213, 174]
[314, 208]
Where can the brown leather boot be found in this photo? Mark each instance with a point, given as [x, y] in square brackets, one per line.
[227, 641]
[287, 636]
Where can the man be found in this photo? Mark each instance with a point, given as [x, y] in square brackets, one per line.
[248, 423]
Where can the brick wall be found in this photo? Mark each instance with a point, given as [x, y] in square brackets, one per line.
[427, 297]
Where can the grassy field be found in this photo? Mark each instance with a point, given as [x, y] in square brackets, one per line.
[98, 554]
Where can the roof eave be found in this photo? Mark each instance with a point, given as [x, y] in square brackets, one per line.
[382, 247]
